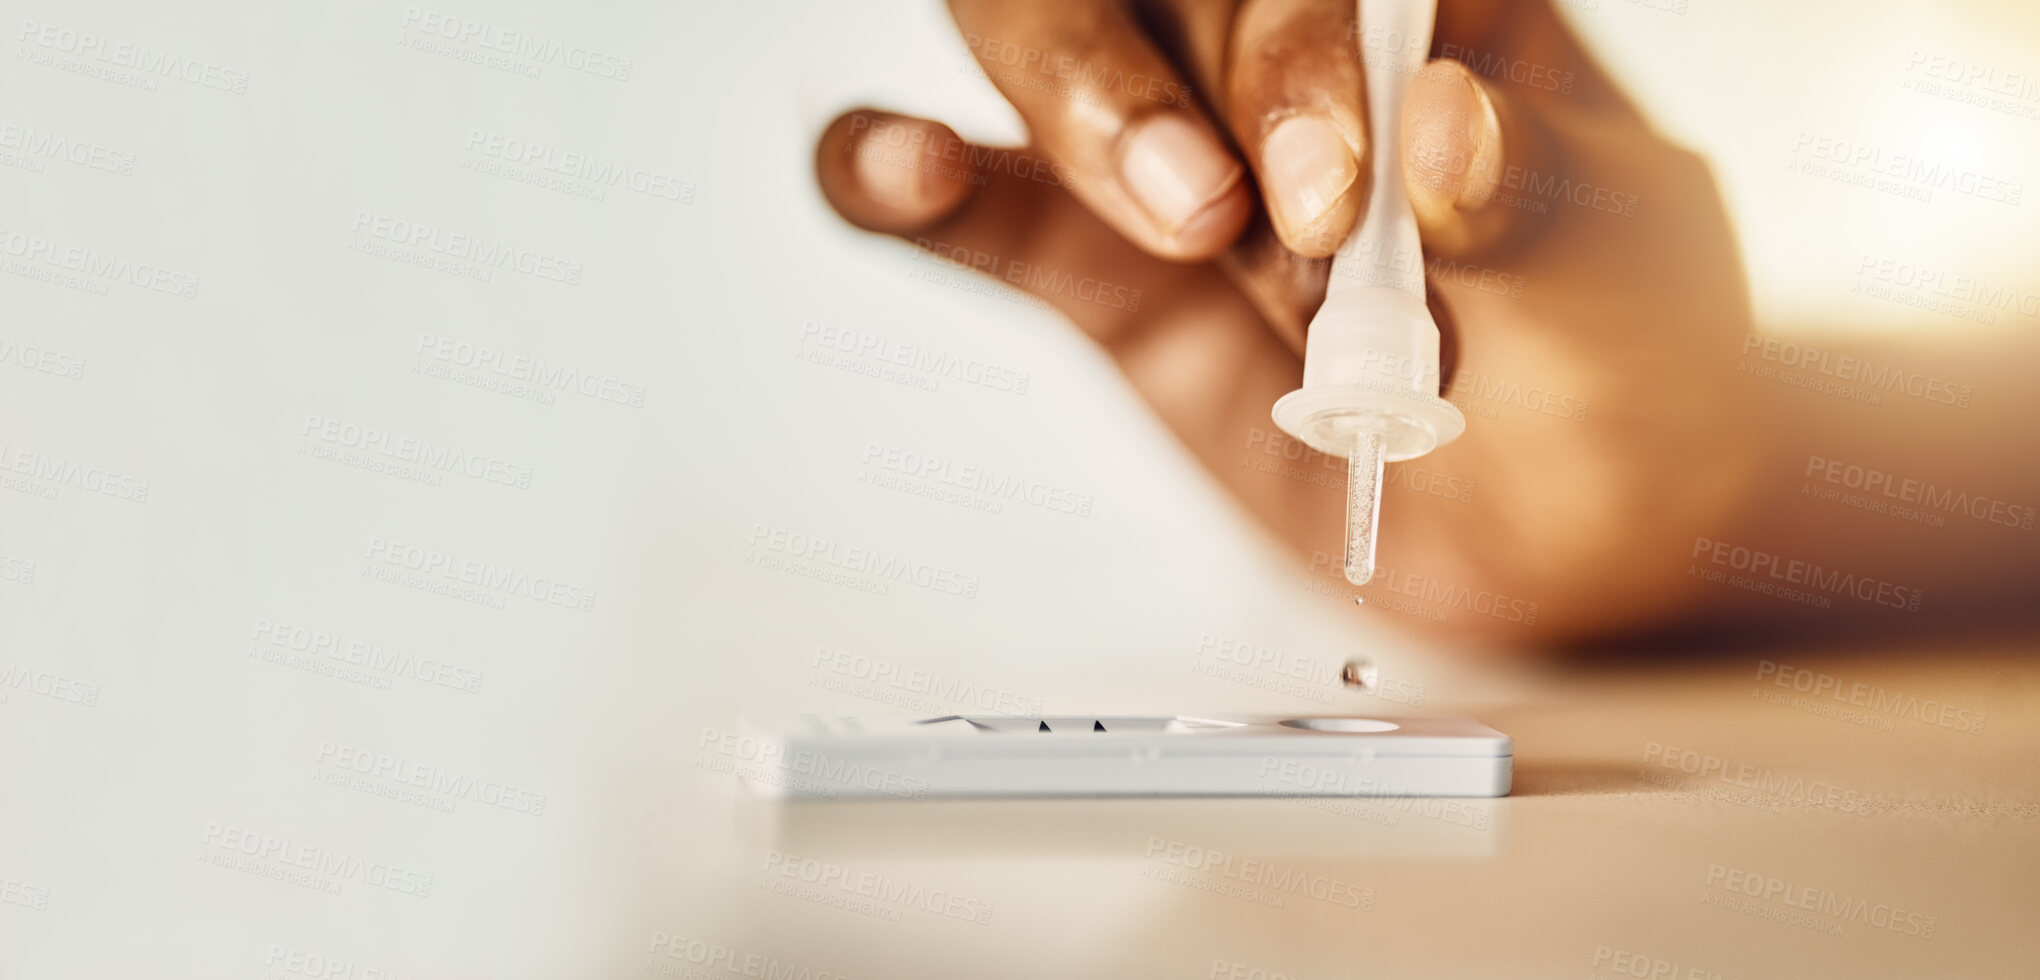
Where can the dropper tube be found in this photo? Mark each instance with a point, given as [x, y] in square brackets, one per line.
[1370, 362]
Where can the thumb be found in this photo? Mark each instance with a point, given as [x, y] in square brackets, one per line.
[1461, 139]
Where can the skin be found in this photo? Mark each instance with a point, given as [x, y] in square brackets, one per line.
[1627, 304]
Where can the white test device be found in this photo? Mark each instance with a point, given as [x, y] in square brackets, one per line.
[834, 757]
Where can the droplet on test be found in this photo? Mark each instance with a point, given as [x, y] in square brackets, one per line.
[1361, 673]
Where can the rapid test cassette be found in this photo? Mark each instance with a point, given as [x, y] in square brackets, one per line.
[834, 757]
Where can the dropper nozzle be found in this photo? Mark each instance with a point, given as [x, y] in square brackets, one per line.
[1363, 504]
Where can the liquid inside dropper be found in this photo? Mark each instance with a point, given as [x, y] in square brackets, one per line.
[1363, 504]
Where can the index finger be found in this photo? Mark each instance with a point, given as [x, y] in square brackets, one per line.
[1296, 103]
[1101, 101]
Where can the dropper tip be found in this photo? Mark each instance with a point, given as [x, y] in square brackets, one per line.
[1363, 504]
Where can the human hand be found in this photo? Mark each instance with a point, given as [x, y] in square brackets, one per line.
[1208, 157]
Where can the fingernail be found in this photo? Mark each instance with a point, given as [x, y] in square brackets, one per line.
[1487, 157]
[1176, 170]
[1305, 166]
[889, 166]
[1451, 139]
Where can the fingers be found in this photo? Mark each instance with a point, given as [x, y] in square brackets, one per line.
[1185, 339]
[1462, 138]
[891, 173]
[1100, 101]
[1294, 98]
[995, 212]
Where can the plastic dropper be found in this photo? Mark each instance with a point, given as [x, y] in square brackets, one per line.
[1370, 360]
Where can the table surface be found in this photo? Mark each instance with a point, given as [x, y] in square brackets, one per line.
[1735, 816]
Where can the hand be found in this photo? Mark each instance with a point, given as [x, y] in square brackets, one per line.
[1207, 157]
